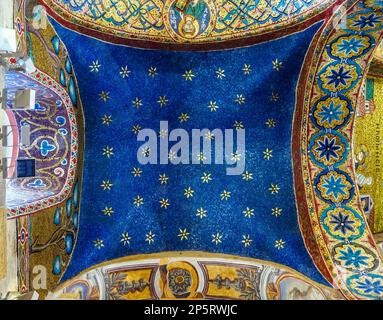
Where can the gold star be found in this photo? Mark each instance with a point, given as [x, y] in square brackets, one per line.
[163, 178]
[274, 189]
[220, 73]
[172, 155]
[247, 176]
[277, 65]
[136, 128]
[125, 72]
[184, 234]
[217, 238]
[206, 177]
[164, 203]
[104, 96]
[145, 151]
[209, 136]
[150, 237]
[246, 69]
[201, 157]
[137, 172]
[274, 97]
[189, 192]
[236, 156]
[276, 212]
[238, 125]
[125, 238]
[107, 151]
[202, 213]
[152, 71]
[240, 99]
[271, 123]
[106, 185]
[225, 195]
[162, 101]
[279, 244]
[108, 211]
[183, 117]
[268, 154]
[246, 241]
[95, 66]
[137, 103]
[138, 201]
[213, 106]
[188, 75]
[98, 243]
[106, 120]
[248, 212]
[163, 133]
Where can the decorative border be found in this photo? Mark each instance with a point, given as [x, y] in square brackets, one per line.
[204, 276]
[23, 232]
[44, 211]
[328, 199]
[20, 24]
[219, 42]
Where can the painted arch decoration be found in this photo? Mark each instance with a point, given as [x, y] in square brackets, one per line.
[47, 228]
[331, 212]
[169, 23]
[54, 145]
[191, 276]
[54, 122]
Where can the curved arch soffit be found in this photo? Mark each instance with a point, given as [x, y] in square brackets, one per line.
[188, 25]
[330, 212]
[48, 82]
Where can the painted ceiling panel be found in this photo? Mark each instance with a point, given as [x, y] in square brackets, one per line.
[128, 209]
[145, 23]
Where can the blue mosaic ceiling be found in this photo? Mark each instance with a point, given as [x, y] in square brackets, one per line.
[122, 208]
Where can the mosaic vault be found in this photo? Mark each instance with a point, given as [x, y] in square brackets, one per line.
[297, 223]
[161, 202]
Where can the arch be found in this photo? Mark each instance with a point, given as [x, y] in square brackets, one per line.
[53, 124]
[330, 212]
[209, 276]
[224, 24]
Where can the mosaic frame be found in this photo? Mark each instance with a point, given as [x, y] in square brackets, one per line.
[328, 200]
[206, 277]
[276, 25]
